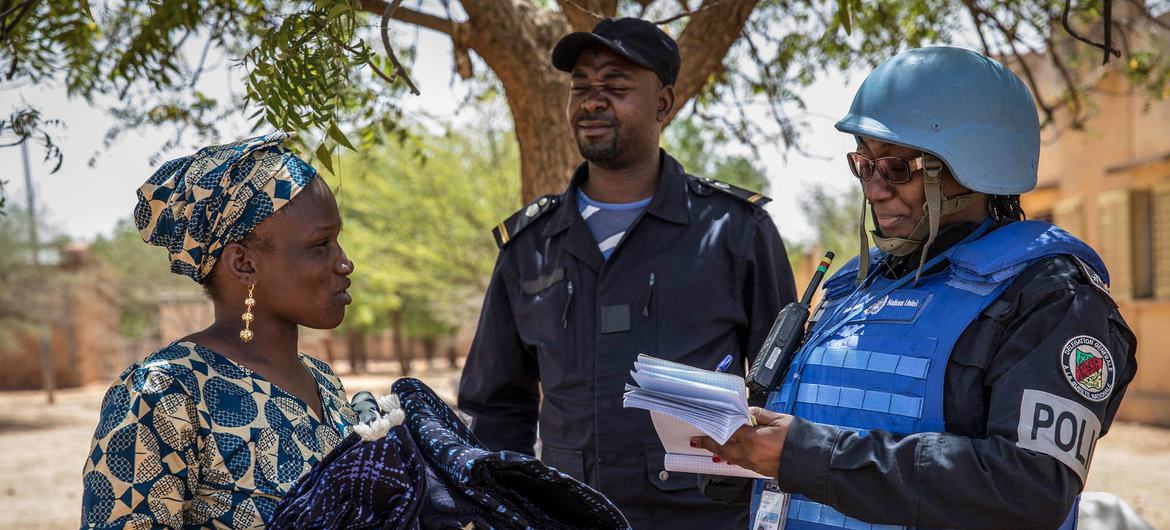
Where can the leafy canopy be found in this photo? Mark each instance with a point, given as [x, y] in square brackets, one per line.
[415, 226]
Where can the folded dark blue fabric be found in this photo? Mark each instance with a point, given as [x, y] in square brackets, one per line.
[510, 489]
[360, 485]
[432, 473]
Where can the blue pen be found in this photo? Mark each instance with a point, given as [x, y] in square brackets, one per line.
[723, 366]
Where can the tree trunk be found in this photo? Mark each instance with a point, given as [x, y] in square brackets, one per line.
[357, 352]
[548, 153]
[400, 344]
[515, 38]
[328, 343]
[516, 45]
[452, 356]
[429, 345]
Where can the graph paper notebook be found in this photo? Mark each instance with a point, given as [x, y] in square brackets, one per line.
[684, 402]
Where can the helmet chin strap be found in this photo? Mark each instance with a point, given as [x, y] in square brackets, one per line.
[925, 232]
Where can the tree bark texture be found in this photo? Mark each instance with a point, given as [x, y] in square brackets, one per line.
[515, 38]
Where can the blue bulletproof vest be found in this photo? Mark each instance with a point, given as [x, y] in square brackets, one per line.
[877, 357]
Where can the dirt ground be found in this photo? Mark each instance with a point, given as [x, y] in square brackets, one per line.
[44, 447]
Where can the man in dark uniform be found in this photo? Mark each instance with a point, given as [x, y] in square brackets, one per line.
[964, 380]
[634, 257]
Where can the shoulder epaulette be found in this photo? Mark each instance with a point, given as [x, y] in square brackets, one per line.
[701, 184]
[520, 220]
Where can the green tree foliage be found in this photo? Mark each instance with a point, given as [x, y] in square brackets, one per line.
[834, 217]
[416, 226]
[700, 148]
[141, 273]
[29, 298]
[309, 64]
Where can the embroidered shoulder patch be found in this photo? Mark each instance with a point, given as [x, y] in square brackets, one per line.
[1088, 366]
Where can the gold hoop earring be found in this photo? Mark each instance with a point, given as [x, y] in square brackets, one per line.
[246, 333]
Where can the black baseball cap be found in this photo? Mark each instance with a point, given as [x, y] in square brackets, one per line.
[639, 41]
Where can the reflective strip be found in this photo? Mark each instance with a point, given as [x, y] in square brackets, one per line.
[856, 398]
[870, 361]
[812, 512]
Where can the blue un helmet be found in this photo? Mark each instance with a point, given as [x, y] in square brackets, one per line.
[962, 110]
[958, 105]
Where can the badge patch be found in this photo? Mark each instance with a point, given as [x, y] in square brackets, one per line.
[877, 306]
[903, 305]
[1088, 366]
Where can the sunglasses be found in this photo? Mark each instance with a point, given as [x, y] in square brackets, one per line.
[893, 169]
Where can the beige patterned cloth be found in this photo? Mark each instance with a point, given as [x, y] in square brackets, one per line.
[195, 205]
[190, 439]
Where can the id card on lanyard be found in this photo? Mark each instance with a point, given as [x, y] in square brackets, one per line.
[773, 508]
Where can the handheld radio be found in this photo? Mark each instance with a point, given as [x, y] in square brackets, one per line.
[786, 336]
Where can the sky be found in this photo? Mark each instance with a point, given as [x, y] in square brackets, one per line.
[83, 201]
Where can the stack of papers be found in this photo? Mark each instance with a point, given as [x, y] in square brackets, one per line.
[684, 402]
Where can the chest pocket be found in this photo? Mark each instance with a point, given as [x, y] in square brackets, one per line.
[543, 308]
[693, 302]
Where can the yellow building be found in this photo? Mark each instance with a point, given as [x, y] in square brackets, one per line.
[1109, 184]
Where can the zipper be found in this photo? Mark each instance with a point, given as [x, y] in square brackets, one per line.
[649, 295]
[568, 303]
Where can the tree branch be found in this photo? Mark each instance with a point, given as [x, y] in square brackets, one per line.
[410, 16]
[1010, 38]
[1140, 7]
[584, 14]
[689, 12]
[398, 69]
[202, 61]
[978, 28]
[705, 42]
[1107, 45]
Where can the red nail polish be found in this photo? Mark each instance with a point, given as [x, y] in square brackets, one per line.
[716, 459]
[694, 443]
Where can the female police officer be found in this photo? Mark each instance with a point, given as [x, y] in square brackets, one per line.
[961, 376]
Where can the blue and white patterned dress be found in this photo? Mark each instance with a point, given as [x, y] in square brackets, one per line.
[190, 439]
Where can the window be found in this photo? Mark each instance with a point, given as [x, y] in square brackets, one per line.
[1160, 206]
[1124, 240]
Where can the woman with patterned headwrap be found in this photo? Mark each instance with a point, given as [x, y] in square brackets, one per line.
[212, 430]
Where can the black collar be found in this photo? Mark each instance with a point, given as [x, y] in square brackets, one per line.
[669, 203]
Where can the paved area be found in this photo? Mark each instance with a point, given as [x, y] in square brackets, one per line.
[44, 447]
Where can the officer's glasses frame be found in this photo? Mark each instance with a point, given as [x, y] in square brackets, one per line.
[893, 169]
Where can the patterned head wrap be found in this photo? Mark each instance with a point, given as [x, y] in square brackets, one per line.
[195, 205]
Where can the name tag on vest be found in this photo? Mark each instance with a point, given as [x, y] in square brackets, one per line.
[903, 305]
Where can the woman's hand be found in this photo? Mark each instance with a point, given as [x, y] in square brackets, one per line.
[755, 448]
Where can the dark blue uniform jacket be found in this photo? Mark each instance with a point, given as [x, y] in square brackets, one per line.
[701, 274]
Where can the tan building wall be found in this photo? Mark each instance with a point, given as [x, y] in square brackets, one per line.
[1110, 185]
[79, 327]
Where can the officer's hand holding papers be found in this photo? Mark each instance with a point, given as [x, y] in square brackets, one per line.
[685, 402]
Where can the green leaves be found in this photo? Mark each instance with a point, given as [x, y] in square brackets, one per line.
[84, 4]
[306, 73]
[844, 18]
[339, 137]
[324, 156]
[419, 232]
[696, 144]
